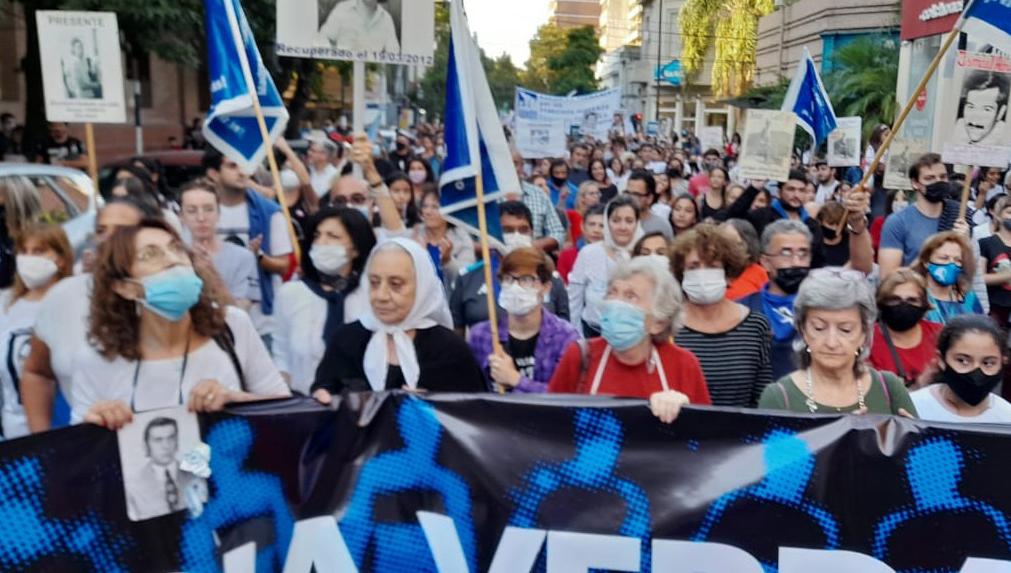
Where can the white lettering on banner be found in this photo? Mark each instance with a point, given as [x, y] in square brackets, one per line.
[672, 555]
[242, 558]
[941, 10]
[219, 84]
[317, 544]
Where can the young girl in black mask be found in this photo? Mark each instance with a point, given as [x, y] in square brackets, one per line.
[971, 352]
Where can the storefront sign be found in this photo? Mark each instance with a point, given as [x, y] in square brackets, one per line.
[928, 17]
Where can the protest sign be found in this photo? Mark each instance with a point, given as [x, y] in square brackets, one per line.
[536, 139]
[976, 130]
[901, 155]
[391, 32]
[590, 114]
[82, 74]
[844, 142]
[711, 137]
[393, 482]
[767, 145]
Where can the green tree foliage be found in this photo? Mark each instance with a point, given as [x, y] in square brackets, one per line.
[548, 44]
[502, 74]
[574, 67]
[562, 60]
[863, 81]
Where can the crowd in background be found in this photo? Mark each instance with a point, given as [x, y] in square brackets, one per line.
[641, 266]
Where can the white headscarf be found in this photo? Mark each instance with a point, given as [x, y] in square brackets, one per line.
[430, 309]
[625, 251]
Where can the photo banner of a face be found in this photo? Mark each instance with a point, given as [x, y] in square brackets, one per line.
[977, 131]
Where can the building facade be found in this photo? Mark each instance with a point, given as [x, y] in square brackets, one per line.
[574, 13]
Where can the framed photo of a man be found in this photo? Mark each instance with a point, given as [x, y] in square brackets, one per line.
[150, 452]
[978, 104]
[383, 31]
[82, 72]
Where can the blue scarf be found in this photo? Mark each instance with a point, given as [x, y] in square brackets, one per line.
[334, 309]
[779, 310]
[777, 206]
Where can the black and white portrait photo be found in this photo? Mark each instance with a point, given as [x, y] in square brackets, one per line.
[82, 73]
[151, 450]
[370, 25]
[982, 109]
[844, 142]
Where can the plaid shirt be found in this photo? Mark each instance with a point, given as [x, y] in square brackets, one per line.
[554, 337]
[546, 222]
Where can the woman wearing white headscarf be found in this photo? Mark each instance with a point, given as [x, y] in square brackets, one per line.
[597, 262]
[405, 339]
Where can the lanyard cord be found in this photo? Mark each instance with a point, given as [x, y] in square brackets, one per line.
[136, 375]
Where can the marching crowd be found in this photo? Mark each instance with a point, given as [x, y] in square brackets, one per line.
[632, 267]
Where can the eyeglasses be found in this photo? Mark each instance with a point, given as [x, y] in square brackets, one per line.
[800, 255]
[839, 273]
[158, 255]
[525, 281]
[356, 199]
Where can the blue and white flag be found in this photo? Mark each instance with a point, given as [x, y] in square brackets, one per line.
[235, 68]
[989, 21]
[807, 98]
[475, 142]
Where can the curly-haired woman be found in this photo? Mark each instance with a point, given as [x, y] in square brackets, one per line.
[161, 335]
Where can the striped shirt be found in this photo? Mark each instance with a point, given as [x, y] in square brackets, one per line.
[735, 363]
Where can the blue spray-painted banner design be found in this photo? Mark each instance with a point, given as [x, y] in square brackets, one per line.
[490, 464]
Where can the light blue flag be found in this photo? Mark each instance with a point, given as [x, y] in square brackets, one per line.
[989, 21]
[475, 142]
[807, 98]
[235, 67]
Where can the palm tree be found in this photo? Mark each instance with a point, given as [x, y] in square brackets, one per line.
[863, 81]
[736, 38]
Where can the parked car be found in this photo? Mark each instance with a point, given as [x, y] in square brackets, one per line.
[67, 195]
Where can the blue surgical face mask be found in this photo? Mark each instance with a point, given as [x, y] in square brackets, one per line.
[172, 292]
[945, 275]
[622, 324]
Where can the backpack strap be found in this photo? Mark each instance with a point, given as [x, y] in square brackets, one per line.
[786, 397]
[895, 353]
[884, 387]
[226, 341]
[584, 358]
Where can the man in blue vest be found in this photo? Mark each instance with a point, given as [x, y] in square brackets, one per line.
[255, 222]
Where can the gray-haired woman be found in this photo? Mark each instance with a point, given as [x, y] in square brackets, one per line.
[635, 356]
[834, 314]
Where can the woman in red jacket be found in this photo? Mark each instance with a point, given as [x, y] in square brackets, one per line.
[635, 356]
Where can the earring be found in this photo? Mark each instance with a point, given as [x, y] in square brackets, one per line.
[808, 348]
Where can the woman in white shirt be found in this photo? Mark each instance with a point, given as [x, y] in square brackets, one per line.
[160, 338]
[331, 293]
[44, 256]
[971, 352]
[595, 263]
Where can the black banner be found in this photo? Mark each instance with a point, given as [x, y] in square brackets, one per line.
[394, 482]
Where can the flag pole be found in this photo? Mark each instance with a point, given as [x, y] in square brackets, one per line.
[482, 223]
[240, 48]
[955, 30]
[89, 144]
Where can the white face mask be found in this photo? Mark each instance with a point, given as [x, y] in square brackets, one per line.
[658, 259]
[35, 271]
[705, 286]
[515, 241]
[328, 259]
[517, 300]
[417, 177]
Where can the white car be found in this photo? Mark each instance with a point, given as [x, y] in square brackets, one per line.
[67, 195]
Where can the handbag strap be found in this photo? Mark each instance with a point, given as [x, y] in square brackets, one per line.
[894, 352]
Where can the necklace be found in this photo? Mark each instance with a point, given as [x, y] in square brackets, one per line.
[813, 406]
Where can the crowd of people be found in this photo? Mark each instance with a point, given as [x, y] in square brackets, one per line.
[632, 267]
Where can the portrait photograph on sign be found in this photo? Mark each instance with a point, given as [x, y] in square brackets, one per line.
[386, 31]
[767, 144]
[157, 480]
[82, 73]
[844, 142]
[976, 128]
[901, 155]
[711, 137]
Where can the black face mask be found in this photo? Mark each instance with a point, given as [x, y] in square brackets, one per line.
[789, 279]
[903, 316]
[401, 146]
[558, 182]
[972, 387]
[936, 191]
[1005, 222]
[829, 233]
